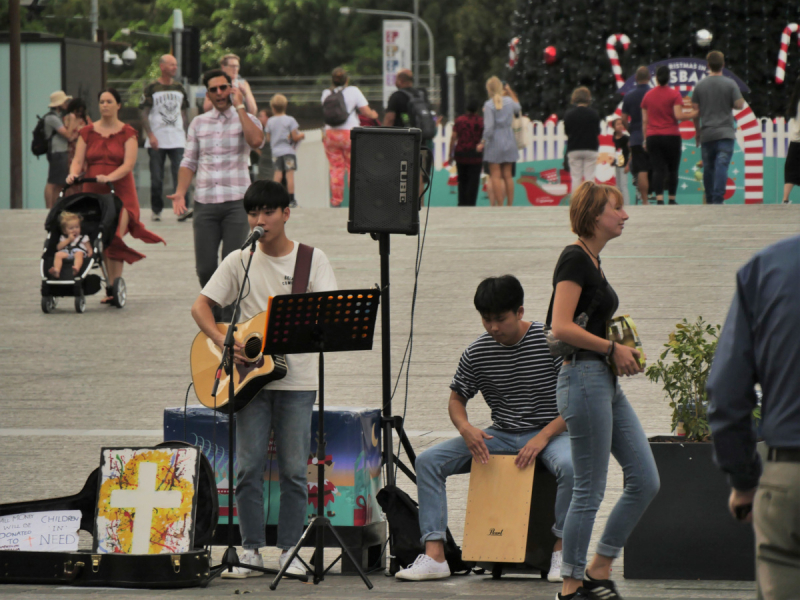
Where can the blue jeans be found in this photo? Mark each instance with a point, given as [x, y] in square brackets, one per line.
[601, 422]
[288, 413]
[716, 160]
[157, 159]
[453, 457]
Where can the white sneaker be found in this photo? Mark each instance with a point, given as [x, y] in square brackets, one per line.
[295, 568]
[554, 576]
[247, 557]
[424, 568]
[156, 216]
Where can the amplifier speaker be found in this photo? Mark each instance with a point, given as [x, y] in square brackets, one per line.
[384, 182]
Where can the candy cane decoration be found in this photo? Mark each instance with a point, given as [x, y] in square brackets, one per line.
[786, 37]
[611, 44]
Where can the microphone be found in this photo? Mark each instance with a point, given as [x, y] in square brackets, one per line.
[257, 233]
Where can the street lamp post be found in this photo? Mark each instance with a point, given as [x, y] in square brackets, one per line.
[346, 10]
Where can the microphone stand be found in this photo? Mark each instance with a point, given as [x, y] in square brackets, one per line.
[230, 558]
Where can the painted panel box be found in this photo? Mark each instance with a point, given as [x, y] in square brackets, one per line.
[352, 465]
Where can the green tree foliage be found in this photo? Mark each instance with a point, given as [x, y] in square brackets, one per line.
[288, 37]
[691, 347]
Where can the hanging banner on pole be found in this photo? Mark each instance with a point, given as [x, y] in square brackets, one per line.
[396, 53]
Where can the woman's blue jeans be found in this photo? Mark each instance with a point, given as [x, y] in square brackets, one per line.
[601, 422]
[288, 413]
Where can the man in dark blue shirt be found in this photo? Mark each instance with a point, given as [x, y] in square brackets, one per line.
[632, 118]
[760, 344]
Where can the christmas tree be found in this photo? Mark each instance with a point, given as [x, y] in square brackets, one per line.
[746, 31]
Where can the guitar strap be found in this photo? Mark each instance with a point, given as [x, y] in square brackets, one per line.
[302, 269]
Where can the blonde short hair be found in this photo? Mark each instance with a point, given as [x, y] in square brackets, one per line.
[67, 217]
[278, 103]
[587, 203]
[224, 60]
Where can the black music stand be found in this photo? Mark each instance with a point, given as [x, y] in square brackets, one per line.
[338, 321]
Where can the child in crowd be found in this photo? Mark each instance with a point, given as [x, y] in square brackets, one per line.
[283, 135]
[72, 245]
[623, 157]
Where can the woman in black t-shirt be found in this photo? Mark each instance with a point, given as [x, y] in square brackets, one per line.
[600, 421]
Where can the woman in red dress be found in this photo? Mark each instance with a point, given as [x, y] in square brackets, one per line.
[106, 150]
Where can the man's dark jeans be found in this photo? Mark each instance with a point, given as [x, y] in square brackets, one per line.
[716, 160]
[157, 159]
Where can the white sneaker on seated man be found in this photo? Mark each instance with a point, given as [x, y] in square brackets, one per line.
[512, 367]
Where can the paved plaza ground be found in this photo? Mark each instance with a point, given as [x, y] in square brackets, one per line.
[73, 383]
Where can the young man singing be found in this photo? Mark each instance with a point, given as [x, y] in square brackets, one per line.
[512, 367]
[283, 406]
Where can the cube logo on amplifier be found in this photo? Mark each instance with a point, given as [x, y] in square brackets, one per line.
[385, 180]
[403, 181]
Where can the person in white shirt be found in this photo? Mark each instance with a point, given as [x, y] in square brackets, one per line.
[336, 138]
[283, 406]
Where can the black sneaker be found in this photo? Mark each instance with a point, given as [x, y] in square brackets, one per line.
[602, 589]
[581, 594]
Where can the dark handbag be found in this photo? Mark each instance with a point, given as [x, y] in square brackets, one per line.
[559, 348]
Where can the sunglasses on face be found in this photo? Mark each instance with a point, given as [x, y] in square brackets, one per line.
[219, 88]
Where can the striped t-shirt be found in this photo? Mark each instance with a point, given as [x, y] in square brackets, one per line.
[518, 382]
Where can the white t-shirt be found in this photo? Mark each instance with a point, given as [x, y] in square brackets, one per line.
[270, 276]
[353, 99]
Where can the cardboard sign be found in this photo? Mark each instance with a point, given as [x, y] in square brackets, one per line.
[55, 530]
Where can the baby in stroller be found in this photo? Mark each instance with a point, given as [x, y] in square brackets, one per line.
[72, 246]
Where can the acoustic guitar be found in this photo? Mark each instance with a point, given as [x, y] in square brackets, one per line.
[248, 379]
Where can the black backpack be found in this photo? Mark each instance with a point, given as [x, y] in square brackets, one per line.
[334, 109]
[420, 114]
[41, 143]
[403, 516]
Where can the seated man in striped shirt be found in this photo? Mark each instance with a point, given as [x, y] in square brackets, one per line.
[512, 367]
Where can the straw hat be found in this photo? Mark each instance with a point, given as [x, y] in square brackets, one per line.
[58, 98]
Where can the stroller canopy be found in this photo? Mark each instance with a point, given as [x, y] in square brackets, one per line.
[100, 213]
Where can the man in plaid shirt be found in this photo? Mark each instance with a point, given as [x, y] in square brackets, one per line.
[217, 148]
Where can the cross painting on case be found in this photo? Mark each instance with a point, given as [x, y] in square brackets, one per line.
[146, 500]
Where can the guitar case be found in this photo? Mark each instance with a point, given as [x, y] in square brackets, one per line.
[84, 568]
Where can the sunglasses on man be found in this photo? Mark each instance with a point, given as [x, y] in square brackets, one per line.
[219, 88]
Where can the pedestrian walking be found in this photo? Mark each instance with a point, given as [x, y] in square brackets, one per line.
[217, 151]
[632, 119]
[759, 346]
[499, 146]
[342, 105]
[622, 158]
[791, 169]
[77, 118]
[713, 99]
[662, 110]
[164, 103]
[600, 420]
[582, 125]
[283, 135]
[106, 151]
[467, 134]
[57, 146]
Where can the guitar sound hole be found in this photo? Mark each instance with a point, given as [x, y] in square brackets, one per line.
[252, 347]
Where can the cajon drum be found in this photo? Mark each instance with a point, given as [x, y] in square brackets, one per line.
[509, 515]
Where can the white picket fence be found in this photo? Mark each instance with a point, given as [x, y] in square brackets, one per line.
[546, 141]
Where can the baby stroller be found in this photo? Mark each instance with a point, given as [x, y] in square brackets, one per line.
[100, 213]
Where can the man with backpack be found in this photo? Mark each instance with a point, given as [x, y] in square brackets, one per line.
[51, 137]
[511, 366]
[409, 107]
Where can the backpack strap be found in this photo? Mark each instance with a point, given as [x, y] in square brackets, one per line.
[302, 269]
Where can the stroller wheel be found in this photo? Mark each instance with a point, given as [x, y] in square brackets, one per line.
[48, 304]
[80, 304]
[119, 292]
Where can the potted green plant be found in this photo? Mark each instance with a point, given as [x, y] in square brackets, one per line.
[687, 532]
